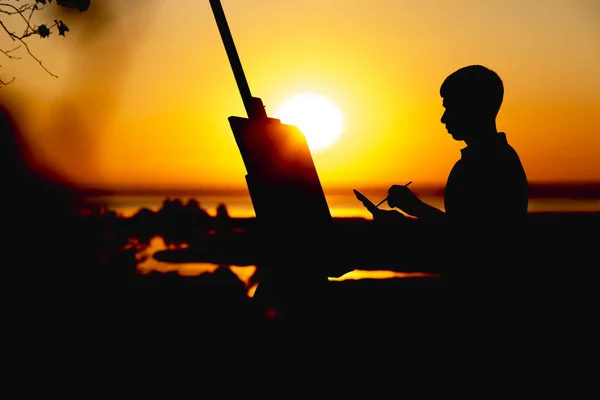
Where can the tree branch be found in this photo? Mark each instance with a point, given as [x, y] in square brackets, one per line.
[24, 13]
[20, 11]
[36, 59]
[7, 53]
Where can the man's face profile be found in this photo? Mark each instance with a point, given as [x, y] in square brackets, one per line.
[459, 118]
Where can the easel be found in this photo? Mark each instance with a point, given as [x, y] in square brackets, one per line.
[291, 209]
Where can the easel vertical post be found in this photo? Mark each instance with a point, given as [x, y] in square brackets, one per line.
[254, 107]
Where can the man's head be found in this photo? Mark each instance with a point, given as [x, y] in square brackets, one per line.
[471, 97]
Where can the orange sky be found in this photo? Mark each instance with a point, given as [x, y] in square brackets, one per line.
[144, 92]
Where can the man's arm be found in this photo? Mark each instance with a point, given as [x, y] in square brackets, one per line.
[401, 197]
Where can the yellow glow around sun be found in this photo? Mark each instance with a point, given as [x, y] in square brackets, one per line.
[319, 119]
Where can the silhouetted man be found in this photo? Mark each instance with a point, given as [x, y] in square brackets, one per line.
[487, 187]
[488, 184]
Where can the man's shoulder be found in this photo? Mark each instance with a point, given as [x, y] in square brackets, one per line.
[505, 147]
[458, 167]
[511, 160]
[510, 164]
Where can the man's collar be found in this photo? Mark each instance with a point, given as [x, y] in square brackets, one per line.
[478, 147]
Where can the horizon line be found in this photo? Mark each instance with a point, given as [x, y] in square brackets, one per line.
[585, 188]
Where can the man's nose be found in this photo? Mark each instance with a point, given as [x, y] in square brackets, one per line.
[443, 119]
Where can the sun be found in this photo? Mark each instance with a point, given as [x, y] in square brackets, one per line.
[318, 118]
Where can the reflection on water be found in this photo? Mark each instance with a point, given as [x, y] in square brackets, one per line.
[245, 273]
[190, 269]
[361, 274]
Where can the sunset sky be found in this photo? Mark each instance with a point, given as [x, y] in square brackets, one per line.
[145, 87]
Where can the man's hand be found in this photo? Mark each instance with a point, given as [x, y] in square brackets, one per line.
[401, 197]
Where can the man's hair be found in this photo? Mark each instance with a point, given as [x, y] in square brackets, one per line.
[476, 85]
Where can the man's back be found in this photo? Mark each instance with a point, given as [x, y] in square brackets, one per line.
[486, 204]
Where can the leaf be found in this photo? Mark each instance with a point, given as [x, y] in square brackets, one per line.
[43, 30]
[62, 28]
